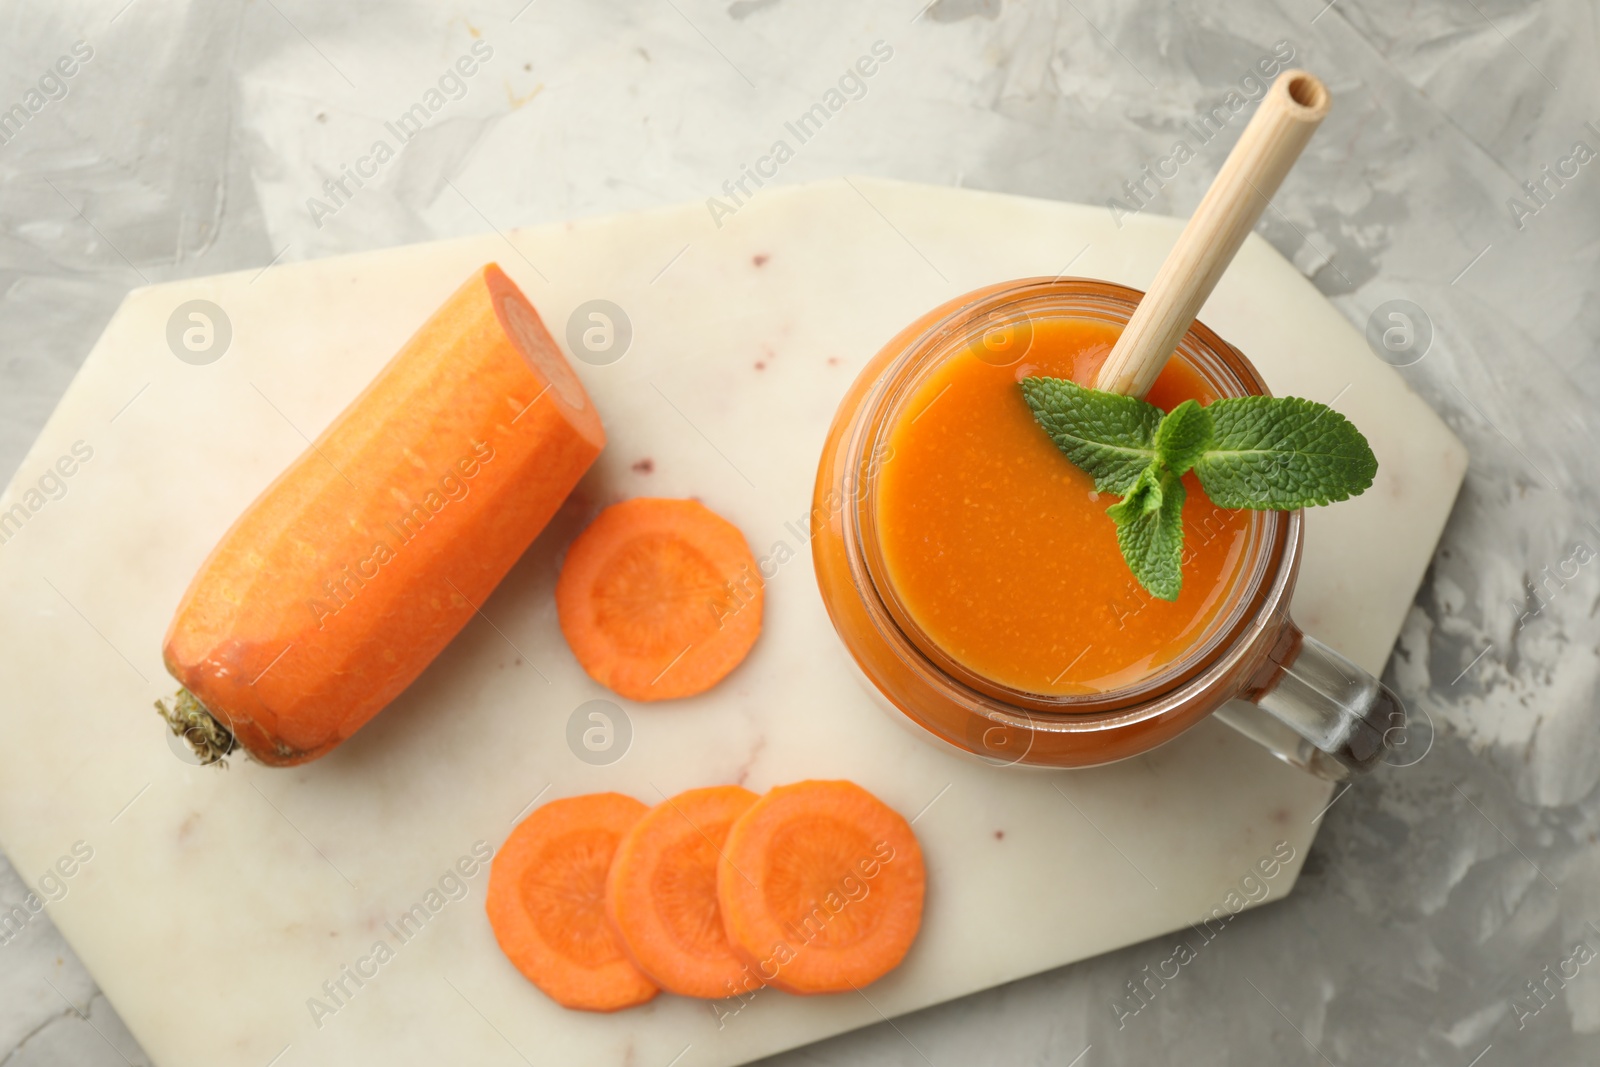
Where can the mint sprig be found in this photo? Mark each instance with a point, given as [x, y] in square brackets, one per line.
[1275, 453]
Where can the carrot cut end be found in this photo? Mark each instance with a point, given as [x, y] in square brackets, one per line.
[520, 322]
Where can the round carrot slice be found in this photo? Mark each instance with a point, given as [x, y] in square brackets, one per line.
[662, 894]
[821, 887]
[659, 598]
[547, 902]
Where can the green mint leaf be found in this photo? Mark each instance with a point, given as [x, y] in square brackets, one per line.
[1184, 434]
[1106, 435]
[1282, 453]
[1150, 530]
[1144, 496]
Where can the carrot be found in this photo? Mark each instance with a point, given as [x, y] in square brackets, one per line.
[662, 893]
[821, 887]
[659, 598]
[547, 902]
[352, 570]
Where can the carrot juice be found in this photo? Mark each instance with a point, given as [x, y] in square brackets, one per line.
[1000, 550]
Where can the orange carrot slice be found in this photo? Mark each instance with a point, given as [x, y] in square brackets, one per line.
[662, 894]
[547, 902]
[821, 887]
[352, 570]
[659, 598]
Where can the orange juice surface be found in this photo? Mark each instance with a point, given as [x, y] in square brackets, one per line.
[1001, 551]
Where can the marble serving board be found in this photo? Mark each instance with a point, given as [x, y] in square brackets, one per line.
[230, 914]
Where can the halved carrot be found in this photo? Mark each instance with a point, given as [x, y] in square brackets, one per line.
[659, 598]
[821, 887]
[662, 894]
[547, 902]
[352, 570]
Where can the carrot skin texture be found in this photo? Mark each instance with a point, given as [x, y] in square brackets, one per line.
[345, 578]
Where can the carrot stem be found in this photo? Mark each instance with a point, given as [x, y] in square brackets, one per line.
[187, 718]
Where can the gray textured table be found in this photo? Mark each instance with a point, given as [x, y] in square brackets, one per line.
[189, 138]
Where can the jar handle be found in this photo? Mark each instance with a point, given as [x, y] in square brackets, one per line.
[1316, 709]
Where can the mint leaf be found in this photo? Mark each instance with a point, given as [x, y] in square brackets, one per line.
[1106, 435]
[1282, 453]
[1183, 435]
[1144, 497]
[1150, 530]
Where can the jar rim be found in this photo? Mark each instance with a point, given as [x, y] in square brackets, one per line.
[1267, 574]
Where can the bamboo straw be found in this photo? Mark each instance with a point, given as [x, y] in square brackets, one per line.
[1287, 117]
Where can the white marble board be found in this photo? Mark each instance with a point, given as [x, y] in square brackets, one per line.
[217, 902]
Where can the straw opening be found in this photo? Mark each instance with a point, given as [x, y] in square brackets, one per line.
[1307, 91]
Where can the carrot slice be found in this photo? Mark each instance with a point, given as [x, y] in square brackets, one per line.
[659, 598]
[662, 894]
[821, 887]
[351, 571]
[547, 902]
